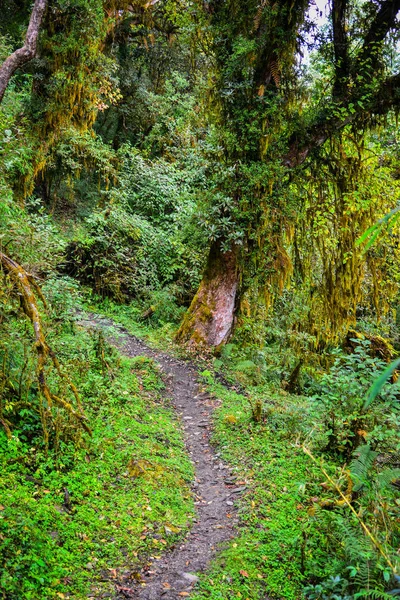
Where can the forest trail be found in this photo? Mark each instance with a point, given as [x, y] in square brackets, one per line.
[175, 574]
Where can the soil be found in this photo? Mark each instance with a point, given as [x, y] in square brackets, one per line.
[175, 574]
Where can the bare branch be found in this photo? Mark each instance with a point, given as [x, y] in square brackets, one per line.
[23, 55]
[24, 283]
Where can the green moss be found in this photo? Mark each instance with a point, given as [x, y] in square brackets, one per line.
[111, 519]
[265, 559]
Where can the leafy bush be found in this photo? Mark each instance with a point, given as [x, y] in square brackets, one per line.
[156, 190]
[122, 255]
[68, 515]
[340, 396]
[30, 236]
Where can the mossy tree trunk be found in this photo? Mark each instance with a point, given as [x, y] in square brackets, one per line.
[210, 318]
[28, 51]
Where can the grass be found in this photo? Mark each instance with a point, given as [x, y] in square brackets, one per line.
[158, 335]
[286, 540]
[269, 555]
[79, 520]
[294, 534]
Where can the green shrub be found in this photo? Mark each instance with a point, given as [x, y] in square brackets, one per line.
[340, 397]
[122, 256]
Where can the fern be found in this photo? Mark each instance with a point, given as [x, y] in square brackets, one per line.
[362, 558]
[275, 72]
[360, 466]
[373, 595]
[387, 477]
[245, 365]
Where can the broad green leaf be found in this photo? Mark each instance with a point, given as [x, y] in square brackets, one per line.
[378, 384]
[371, 234]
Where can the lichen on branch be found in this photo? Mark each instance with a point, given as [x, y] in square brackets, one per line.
[28, 291]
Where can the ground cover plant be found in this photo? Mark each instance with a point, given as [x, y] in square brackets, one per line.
[74, 518]
[301, 476]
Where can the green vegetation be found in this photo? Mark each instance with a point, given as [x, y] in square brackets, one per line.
[221, 178]
[73, 517]
[296, 526]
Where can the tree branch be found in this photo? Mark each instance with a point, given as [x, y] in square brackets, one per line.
[340, 44]
[386, 98]
[385, 19]
[21, 56]
[26, 286]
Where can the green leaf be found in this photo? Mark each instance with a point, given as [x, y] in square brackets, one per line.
[372, 232]
[378, 384]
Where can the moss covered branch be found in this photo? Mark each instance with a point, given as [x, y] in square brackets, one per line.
[27, 287]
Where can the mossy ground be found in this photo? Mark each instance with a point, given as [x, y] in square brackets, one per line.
[268, 555]
[82, 519]
[128, 488]
[286, 539]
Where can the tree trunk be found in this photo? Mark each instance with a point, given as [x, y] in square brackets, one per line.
[209, 320]
[23, 55]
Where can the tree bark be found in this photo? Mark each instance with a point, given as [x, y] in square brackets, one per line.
[209, 320]
[23, 55]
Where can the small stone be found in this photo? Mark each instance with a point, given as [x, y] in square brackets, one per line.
[230, 480]
[191, 577]
[229, 503]
[238, 490]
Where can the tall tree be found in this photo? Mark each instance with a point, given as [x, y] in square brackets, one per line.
[255, 46]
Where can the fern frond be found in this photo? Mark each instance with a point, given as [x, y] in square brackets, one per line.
[276, 72]
[258, 16]
[373, 595]
[362, 462]
[387, 477]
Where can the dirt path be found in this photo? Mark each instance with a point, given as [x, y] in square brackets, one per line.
[214, 487]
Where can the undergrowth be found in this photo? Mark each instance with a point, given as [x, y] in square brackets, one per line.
[297, 537]
[84, 517]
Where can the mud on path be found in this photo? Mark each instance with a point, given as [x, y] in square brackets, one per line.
[214, 487]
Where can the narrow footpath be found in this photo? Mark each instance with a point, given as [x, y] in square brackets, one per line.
[174, 575]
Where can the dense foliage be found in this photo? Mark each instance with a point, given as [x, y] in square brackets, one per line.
[192, 168]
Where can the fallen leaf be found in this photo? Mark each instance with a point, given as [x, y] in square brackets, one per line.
[244, 573]
[183, 594]
[171, 528]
